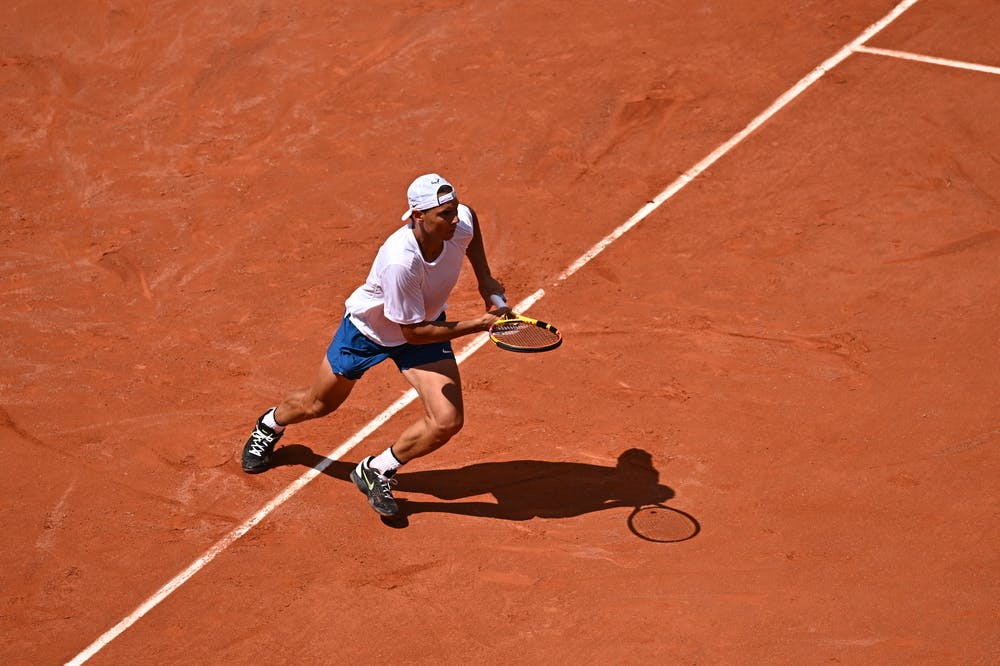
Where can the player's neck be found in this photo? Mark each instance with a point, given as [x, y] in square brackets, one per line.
[430, 248]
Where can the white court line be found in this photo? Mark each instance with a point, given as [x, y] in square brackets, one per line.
[905, 55]
[280, 499]
[410, 395]
[712, 158]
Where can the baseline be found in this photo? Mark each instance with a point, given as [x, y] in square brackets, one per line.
[906, 55]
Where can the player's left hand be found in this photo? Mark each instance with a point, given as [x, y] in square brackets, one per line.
[489, 287]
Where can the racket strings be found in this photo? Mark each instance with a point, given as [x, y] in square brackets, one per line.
[523, 334]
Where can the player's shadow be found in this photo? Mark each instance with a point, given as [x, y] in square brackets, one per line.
[520, 489]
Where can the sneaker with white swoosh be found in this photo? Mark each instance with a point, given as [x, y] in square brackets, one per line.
[376, 486]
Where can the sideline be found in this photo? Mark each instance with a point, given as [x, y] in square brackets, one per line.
[480, 340]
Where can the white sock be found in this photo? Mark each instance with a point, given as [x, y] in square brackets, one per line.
[270, 422]
[385, 462]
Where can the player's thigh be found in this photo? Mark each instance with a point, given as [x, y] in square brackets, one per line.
[329, 390]
[440, 389]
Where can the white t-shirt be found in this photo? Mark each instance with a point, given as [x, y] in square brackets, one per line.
[403, 288]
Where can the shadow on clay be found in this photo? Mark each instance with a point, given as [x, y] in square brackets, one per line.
[520, 489]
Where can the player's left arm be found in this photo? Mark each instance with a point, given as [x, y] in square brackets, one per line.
[476, 252]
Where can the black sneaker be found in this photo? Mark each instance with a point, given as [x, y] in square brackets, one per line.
[257, 451]
[376, 486]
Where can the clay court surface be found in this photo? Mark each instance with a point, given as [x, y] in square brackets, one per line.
[796, 353]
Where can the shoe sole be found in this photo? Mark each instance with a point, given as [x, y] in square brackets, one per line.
[359, 482]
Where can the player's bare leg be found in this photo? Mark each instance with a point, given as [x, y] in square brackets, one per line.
[327, 392]
[440, 390]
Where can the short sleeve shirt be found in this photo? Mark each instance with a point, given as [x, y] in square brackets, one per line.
[403, 288]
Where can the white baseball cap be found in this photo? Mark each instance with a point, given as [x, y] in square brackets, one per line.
[423, 193]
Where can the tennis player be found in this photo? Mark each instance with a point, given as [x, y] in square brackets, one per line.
[398, 313]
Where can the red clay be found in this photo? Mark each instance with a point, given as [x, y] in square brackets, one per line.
[803, 340]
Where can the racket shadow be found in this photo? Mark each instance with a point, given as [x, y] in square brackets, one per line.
[515, 490]
[659, 523]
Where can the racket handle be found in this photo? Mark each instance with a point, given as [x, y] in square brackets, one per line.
[498, 300]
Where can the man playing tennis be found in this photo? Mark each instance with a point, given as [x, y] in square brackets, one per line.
[398, 313]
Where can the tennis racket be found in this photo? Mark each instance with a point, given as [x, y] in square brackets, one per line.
[517, 333]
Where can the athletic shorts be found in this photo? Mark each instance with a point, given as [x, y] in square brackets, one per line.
[351, 353]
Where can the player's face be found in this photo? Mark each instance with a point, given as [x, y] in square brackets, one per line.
[441, 221]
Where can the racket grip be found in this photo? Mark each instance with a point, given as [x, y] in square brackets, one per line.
[498, 300]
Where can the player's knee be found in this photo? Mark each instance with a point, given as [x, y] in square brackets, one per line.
[447, 426]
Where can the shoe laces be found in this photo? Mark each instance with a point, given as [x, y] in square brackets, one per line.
[261, 442]
[384, 483]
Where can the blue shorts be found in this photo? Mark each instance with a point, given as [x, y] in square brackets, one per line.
[351, 353]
